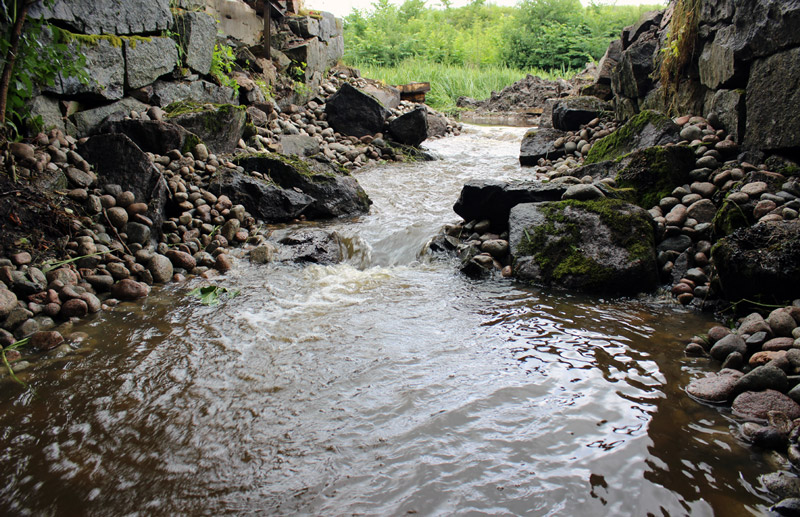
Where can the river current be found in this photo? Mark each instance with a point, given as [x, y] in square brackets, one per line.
[386, 385]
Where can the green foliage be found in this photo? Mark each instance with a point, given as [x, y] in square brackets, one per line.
[221, 66]
[211, 295]
[449, 82]
[679, 48]
[42, 59]
[15, 346]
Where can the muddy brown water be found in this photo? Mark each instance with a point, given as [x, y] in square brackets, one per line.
[386, 385]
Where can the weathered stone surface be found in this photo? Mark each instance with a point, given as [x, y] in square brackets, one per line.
[110, 16]
[713, 11]
[493, 200]
[760, 263]
[299, 145]
[765, 26]
[600, 246]
[105, 68]
[729, 108]
[127, 289]
[314, 246]
[153, 136]
[753, 405]
[147, 60]
[609, 60]
[8, 302]
[410, 128]
[219, 128]
[437, 125]
[572, 112]
[161, 268]
[236, 19]
[651, 174]
[647, 129]
[763, 378]
[87, 122]
[265, 201]
[46, 340]
[354, 113]
[716, 63]
[117, 160]
[331, 192]
[181, 259]
[166, 92]
[198, 34]
[47, 108]
[773, 97]
[631, 77]
[713, 388]
[389, 96]
[539, 143]
[727, 345]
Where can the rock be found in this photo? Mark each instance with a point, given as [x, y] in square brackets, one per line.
[410, 128]
[778, 343]
[727, 345]
[119, 161]
[570, 113]
[782, 484]
[118, 217]
[702, 211]
[198, 35]
[387, 95]
[203, 92]
[265, 200]
[128, 290]
[8, 302]
[299, 145]
[493, 200]
[148, 59]
[603, 245]
[105, 69]
[326, 192]
[632, 76]
[540, 143]
[74, 308]
[583, 192]
[781, 322]
[679, 243]
[263, 254]
[729, 107]
[161, 268]
[46, 340]
[314, 246]
[497, 248]
[152, 136]
[46, 108]
[753, 324]
[647, 129]
[181, 259]
[437, 125]
[771, 98]
[87, 122]
[788, 507]
[354, 113]
[220, 127]
[92, 302]
[100, 283]
[717, 332]
[713, 388]
[755, 406]
[109, 16]
[763, 378]
[138, 233]
[760, 263]
[223, 263]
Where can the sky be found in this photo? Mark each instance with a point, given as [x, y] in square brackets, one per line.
[343, 7]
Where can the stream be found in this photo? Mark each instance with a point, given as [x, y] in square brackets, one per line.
[385, 385]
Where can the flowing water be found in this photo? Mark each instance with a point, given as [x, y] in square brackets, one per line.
[389, 384]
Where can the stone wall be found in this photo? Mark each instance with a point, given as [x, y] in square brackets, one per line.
[744, 75]
[149, 52]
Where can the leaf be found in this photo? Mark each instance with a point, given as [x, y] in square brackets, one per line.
[211, 294]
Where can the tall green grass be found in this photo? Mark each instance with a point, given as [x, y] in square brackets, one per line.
[449, 82]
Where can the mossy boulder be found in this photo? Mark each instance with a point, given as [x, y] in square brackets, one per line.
[540, 143]
[731, 217]
[572, 112]
[219, 126]
[645, 177]
[601, 246]
[760, 263]
[647, 129]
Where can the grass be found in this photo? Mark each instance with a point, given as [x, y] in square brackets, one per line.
[449, 82]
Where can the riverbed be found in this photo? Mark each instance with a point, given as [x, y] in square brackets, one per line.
[384, 385]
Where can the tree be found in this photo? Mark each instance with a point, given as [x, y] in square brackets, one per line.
[15, 12]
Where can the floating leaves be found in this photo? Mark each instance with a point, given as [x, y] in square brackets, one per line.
[212, 295]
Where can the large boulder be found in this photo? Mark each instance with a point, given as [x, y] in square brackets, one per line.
[266, 201]
[493, 200]
[646, 176]
[153, 136]
[729, 108]
[198, 34]
[87, 122]
[717, 63]
[410, 128]
[571, 113]
[108, 16]
[311, 246]
[105, 69]
[604, 245]
[389, 96]
[773, 99]
[765, 26]
[165, 93]
[334, 193]
[647, 129]
[540, 143]
[148, 59]
[119, 161]
[219, 126]
[760, 263]
[632, 76]
[354, 113]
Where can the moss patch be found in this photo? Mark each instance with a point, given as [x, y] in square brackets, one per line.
[653, 173]
[92, 40]
[216, 115]
[620, 142]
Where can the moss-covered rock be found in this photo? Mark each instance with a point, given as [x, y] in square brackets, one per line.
[647, 129]
[646, 176]
[603, 245]
[730, 217]
[219, 126]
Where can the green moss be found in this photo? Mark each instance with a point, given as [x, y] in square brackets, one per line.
[92, 40]
[191, 142]
[216, 114]
[618, 143]
[653, 173]
[729, 218]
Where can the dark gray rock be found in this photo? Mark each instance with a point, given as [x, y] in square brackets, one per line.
[266, 201]
[410, 128]
[765, 377]
[105, 68]
[161, 268]
[717, 63]
[647, 129]
[604, 245]
[46, 108]
[609, 60]
[572, 112]
[714, 11]
[679, 243]
[789, 507]
[765, 26]
[354, 113]
[118, 160]
[153, 136]
[219, 128]
[773, 96]
[198, 34]
[760, 263]
[314, 246]
[783, 484]
[138, 233]
[493, 200]
[437, 125]
[109, 16]
[147, 60]
[539, 143]
[631, 78]
[389, 96]
[166, 92]
[87, 122]
[727, 345]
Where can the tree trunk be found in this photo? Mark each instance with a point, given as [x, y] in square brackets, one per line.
[11, 56]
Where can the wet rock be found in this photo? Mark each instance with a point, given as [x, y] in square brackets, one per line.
[497, 248]
[763, 378]
[782, 484]
[263, 254]
[539, 143]
[46, 340]
[354, 113]
[572, 112]
[410, 128]
[223, 263]
[789, 507]
[317, 247]
[93, 303]
[127, 290]
[493, 200]
[755, 406]
[74, 308]
[727, 345]
[181, 259]
[713, 388]
[161, 269]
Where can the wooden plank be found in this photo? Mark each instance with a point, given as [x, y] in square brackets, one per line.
[414, 87]
[413, 96]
